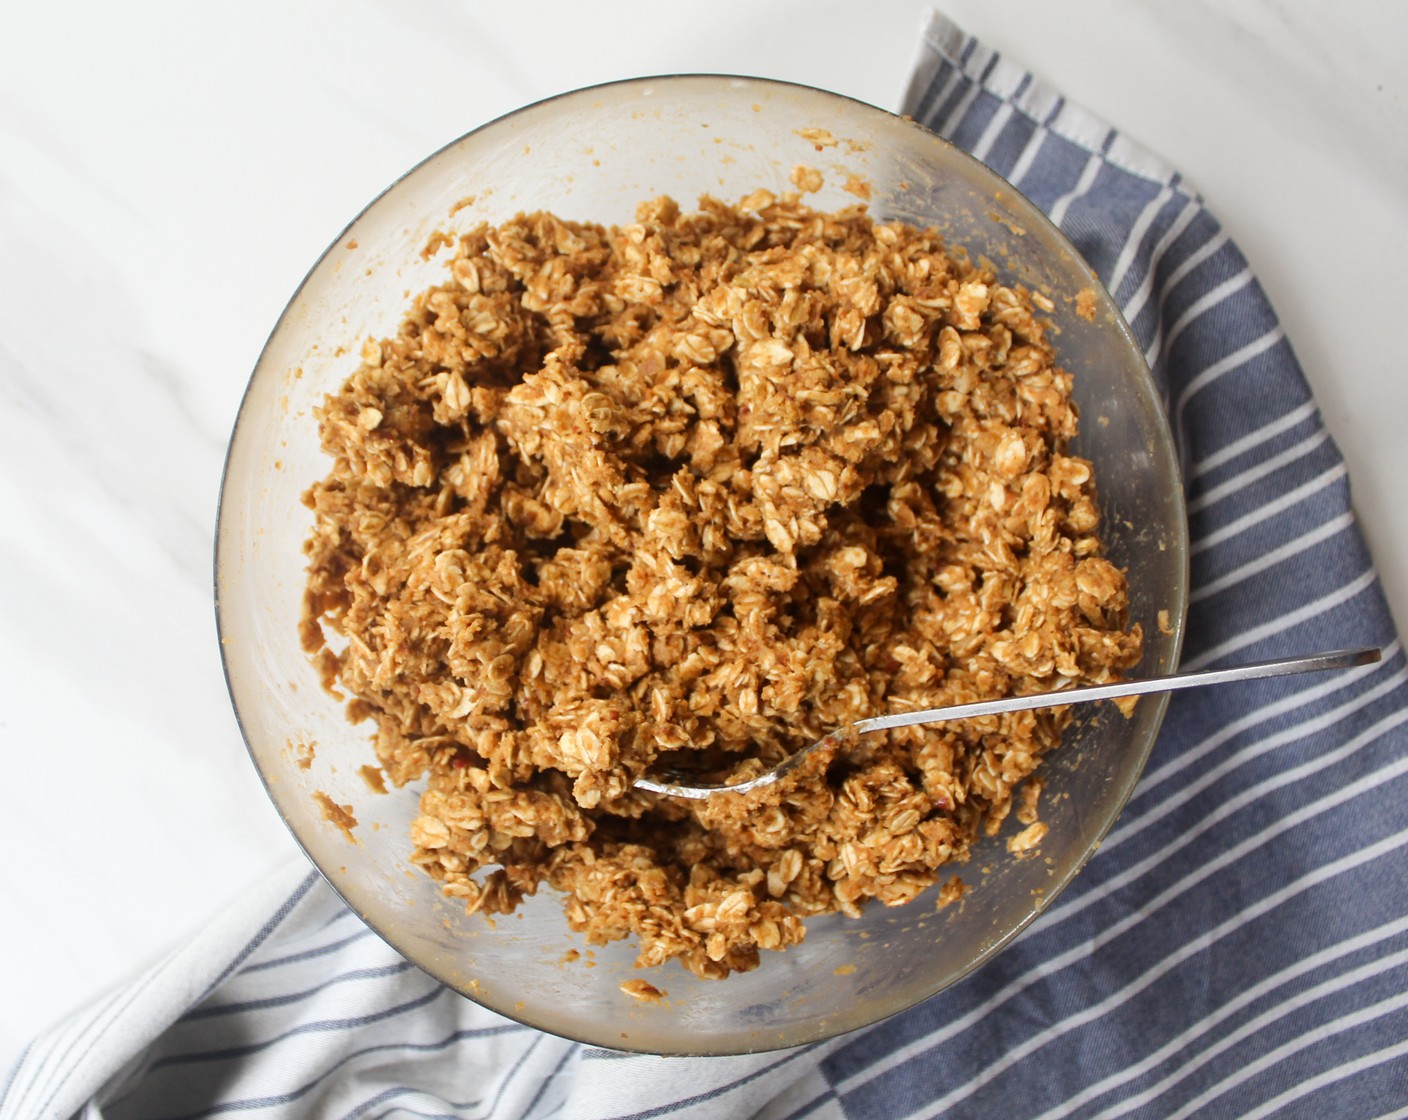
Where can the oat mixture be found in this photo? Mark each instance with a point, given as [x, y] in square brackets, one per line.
[691, 493]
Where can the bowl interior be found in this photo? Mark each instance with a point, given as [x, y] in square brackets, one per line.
[592, 155]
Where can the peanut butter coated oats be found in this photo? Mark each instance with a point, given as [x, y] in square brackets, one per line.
[692, 493]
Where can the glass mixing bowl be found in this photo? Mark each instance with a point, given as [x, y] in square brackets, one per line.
[592, 155]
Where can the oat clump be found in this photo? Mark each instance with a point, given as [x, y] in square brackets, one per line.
[701, 489]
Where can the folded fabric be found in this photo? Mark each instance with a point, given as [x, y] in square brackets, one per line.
[1239, 946]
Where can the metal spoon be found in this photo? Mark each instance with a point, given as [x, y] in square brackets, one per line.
[1334, 659]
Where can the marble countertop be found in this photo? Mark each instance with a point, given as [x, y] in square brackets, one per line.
[168, 171]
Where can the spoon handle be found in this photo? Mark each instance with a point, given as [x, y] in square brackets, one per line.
[1282, 667]
[1334, 659]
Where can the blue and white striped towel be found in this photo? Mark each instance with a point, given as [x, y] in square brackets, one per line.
[1239, 947]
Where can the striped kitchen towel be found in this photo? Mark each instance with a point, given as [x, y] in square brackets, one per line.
[1239, 947]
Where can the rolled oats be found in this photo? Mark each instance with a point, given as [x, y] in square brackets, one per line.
[693, 492]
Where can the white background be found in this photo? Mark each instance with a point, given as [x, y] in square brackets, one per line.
[169, 170]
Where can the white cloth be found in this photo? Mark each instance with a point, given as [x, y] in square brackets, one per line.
[287, 1005]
